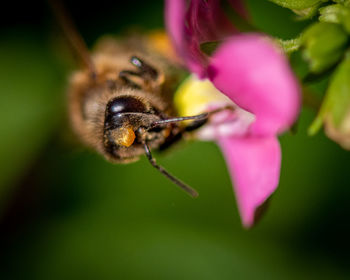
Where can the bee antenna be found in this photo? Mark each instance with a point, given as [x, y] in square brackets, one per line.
[73, 35]
[180, 119]
[203, 116]
[192, 192]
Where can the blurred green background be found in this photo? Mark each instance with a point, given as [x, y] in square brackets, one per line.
[65, 213]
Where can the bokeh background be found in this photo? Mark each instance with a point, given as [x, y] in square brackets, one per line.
[66, 213]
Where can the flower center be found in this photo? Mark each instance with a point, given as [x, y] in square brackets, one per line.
[196, 96]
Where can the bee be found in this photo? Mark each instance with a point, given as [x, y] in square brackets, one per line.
[121, 102]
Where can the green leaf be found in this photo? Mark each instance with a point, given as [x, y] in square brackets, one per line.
[339, 93]
[324, 44]
[335, 109]
[209, 47]
[290, 45]
[336, 13]
[307, 13]
[297, 4]
[344, 2]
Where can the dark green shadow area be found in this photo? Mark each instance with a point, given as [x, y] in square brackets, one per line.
[69, 214]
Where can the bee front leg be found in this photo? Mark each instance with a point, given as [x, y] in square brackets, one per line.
[125, 74]
[146, 75]
[145, 70]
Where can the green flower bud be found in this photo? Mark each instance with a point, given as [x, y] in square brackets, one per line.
[324, 44]
[335, 110]
[336, 13]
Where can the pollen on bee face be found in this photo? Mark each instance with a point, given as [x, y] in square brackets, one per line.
[123, 136]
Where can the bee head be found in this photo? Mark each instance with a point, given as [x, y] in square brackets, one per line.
[124, 116]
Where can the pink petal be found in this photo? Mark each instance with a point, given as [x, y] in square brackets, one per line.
[254, 165]
[190, 25]
[256, 76]
[207, 21]
[175, 20]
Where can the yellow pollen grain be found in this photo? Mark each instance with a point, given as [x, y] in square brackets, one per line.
[124, 136]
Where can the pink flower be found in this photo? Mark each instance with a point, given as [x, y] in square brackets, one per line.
[254, 74]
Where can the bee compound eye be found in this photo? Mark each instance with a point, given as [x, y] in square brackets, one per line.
[125, 104]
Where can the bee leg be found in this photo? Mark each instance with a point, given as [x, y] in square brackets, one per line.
[124, 75]
[146, 70]
[171, 140]
[182, 185]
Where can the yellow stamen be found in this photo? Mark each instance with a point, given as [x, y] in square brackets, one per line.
[194, 96]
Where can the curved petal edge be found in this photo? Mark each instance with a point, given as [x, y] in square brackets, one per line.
[254, 73]
[254, 165]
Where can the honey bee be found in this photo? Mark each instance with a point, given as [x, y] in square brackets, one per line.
[121, 103]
